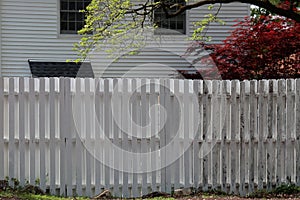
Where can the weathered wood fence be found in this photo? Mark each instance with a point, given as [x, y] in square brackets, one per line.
[134, 136]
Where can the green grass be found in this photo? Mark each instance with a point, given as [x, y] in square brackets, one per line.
[161, 198]
[288, 189]
[28, 196]
[285, 189]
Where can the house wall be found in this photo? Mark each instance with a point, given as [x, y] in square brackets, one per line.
[229, 13]
[0, 35]
[30, 30]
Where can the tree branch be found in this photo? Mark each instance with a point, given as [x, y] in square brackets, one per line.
[263, 4]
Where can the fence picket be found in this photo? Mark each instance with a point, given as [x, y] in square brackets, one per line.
[272, 133]
[177, 133]
[53, 138]
[209, 136]
[62, 124]
[263, 124]
[162, 134]
[21, 101]
[2, 147]
[125, 137]
[228, 134]
[245, 137]
[216, 135]
[32, 120]
[205, 146]
[107, 130]
[116, 133]
[254, 134]
[78, 140]
[297, 126]
[168, 135]
[134, 120]
[144, 143]
[290, 131]
[41, 137]
[12, 123]
[153, 113]
[281, 130]
[98, 133]
[88, 134]
[235, 140]
[197, 112]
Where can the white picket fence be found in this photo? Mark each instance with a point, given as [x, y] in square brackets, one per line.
[135, 136]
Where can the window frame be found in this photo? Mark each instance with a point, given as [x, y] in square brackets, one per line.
[170, 31]
[65, 32]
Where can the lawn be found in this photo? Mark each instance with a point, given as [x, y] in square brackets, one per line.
[281, 192]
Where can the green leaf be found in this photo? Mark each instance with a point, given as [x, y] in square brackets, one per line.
[210, 7]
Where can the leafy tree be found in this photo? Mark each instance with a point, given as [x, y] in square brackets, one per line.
[266, 47]
[111, 19]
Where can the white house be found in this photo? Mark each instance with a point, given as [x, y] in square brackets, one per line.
[46, 30]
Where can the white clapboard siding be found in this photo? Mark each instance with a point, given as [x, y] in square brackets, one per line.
[30, 30]
[136, 136]
[229, 13]
[0, 38]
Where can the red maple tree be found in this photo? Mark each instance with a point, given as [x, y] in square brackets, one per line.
[264, 48]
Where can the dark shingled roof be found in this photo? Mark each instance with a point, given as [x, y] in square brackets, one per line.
[60, 69]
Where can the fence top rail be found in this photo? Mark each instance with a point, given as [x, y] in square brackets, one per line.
[206, 86]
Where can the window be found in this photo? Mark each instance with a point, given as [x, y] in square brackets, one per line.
[71, 20]
[174, 25]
